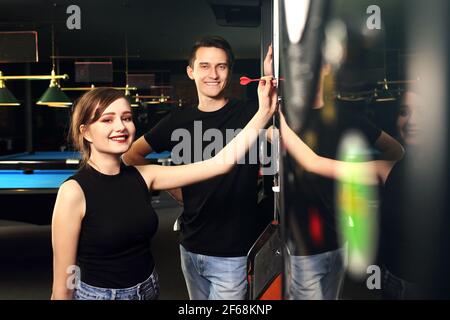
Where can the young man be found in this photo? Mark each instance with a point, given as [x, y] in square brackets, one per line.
[220, 221]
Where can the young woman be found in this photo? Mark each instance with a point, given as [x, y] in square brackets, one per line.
[103, 221]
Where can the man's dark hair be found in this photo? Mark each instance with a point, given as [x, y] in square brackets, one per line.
[212, 42]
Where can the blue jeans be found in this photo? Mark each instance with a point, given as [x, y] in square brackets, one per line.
[147, 290]
[317, 277]
[214, 278]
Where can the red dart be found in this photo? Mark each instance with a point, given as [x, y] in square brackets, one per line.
[246, 80]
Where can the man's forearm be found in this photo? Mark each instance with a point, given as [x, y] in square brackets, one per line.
[134, 160]
[136, 154]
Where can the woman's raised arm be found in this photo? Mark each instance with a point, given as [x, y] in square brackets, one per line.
[371, 171]
[161, 177]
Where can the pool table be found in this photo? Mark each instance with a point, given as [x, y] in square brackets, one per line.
[43, 172]
[57, 160]
[35, 181]
[29, 182]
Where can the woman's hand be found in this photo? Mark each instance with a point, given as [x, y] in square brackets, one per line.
[267, 96]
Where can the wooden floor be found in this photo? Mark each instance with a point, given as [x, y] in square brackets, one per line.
[26, 263]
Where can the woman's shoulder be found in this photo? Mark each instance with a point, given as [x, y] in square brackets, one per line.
[70, 189]
[70, 199]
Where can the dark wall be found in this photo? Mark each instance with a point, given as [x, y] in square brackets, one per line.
[51, 125]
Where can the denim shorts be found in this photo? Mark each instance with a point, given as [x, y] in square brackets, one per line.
[147, 290]
[214, 278]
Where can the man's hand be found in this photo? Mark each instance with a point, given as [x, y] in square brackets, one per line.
[268, 71]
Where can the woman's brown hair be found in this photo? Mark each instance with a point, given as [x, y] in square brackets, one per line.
[87, 110]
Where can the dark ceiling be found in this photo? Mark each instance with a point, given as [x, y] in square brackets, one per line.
[163, 29]
[155, 29]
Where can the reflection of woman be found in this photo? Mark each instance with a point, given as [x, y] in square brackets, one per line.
[399, 275]
[317, 259]
[408, 126]
[103, 221]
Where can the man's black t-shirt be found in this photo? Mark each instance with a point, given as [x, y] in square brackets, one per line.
[315, 219]
[220, 216]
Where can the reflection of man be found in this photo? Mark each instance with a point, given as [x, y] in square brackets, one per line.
[318, 263]
[317, 258]
[220, 221]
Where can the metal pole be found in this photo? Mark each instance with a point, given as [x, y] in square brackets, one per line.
[28, 114]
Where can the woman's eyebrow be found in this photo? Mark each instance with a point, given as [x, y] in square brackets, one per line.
[107, 114]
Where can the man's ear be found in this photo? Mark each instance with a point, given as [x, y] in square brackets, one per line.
[85, 132]
[190, 72]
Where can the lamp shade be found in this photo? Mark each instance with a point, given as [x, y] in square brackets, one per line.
[54, 97]
[7, 98]
[134, 103]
